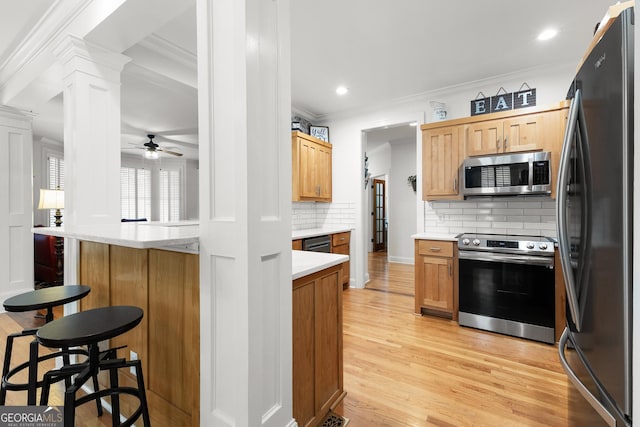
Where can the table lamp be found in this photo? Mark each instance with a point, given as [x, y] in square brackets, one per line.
[52, 199]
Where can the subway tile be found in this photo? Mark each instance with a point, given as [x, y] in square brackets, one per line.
[476, 211]
[492, 205]
[492, 218]
[508, 212]
[449, 211]
[509, 225]
[459, 230]
[541, 226]
[548, 219]
[522, 232]
[523, 218]
[524, 205]
[463, 204]
[491, 230]
[476, 224]
[540, 212]
[438, 205]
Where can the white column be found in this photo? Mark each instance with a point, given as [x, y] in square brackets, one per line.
[91, 131]
[16, 239]
[245, 219]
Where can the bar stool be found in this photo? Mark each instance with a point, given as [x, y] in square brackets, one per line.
[45, 298]
[89, 328]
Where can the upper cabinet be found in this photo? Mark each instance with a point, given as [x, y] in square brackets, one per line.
[441, 158]
[446, 144]
[523, 133]
[311, 168]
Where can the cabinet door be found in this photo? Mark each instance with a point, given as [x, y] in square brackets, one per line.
[304, 358]
[437, 283]
[308, 168]
[323, 173]
[440, 162]
[484, 138]
[524, 133]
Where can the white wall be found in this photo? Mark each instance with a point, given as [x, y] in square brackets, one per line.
[348, 147]
[402, 201]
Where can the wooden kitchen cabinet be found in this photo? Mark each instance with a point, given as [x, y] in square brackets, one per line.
[529, 129]
[311, 168]
[436, 278]
[317, 345]
[296, 245]
[441, 159]
[340, 245]
[503, 136]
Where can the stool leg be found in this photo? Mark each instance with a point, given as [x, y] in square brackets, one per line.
[33, 372]
[115, 398]
[96, 387]
[143, 394]
[69, 406]
[5, 367]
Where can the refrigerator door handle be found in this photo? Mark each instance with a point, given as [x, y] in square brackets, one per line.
[584, 391]
[561, 212]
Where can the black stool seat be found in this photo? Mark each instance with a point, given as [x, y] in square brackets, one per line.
[46, 298]
[36, 300]
[89, 328]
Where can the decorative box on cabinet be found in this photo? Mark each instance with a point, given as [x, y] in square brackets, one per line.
[317, 345]
[311, 168]
[436, 290]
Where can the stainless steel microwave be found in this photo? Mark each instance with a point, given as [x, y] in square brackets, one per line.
[507, 174]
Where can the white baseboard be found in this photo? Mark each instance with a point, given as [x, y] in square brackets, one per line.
[401, 260]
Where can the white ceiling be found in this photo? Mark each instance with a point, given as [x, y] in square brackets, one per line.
[382, 51]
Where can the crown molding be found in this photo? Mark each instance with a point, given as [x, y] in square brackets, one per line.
[171, 51]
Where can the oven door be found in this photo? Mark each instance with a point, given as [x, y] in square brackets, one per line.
[507, 293]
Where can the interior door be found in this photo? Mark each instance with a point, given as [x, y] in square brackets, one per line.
[379, 215]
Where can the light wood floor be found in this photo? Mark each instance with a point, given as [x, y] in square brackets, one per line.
[405, 370]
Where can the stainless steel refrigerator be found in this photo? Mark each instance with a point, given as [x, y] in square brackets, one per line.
[595, 228]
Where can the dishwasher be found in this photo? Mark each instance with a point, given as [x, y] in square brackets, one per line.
[317, 244]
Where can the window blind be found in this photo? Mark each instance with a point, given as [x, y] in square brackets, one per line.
[169, 195]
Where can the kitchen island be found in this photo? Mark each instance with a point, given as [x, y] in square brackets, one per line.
[155, 266]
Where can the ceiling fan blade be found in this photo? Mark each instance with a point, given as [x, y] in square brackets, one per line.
[174, 153]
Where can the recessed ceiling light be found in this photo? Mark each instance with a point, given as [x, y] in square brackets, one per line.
[341, 90]
[413, 124]
[547, 34]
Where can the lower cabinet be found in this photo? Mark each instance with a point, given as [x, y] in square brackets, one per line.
[317, 345]
[165, 285]
[340, 245]
[436, 278]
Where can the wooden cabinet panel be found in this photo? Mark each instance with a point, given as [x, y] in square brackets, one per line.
[435, 278]
[340, 244]
[484, 138]
[311, 168]
[317, 345]
[435, 248]
[303, 354]
[440, 162]
[94, 272]
[523, 133]
[174, 324]
[296, 245]
[437, 289]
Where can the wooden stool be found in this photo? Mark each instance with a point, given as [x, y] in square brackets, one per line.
[46, 298]
[89, 328]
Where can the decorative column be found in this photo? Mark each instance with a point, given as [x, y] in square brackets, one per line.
[16, 239]
[91, 132]
[244, 104]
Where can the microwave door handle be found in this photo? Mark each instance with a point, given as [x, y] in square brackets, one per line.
[530, 173]
[561, 212]
[584, 391]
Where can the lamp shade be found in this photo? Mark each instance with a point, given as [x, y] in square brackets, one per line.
[51, 199]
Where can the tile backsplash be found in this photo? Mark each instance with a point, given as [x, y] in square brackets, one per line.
[315, 215]
[518, 215]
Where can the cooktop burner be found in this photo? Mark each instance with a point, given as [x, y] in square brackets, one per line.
[531, 245]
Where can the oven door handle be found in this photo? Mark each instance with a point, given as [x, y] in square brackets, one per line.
[542, 261]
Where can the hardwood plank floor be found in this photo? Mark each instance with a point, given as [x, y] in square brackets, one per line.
[406, 370]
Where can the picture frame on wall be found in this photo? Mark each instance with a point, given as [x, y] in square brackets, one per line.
[320, 132]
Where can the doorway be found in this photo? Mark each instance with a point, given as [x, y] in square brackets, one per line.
[379, 213]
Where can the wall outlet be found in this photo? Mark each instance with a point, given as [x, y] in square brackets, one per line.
[133, 356]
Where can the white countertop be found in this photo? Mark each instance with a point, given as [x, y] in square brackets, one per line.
[177, 236]
[304, 263]
[436, 236]
[312, 232]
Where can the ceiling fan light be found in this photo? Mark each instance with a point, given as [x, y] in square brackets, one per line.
[152, 155]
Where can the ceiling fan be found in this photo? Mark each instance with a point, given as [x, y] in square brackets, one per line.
[152, 149]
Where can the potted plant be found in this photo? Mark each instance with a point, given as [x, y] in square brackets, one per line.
[412, 181]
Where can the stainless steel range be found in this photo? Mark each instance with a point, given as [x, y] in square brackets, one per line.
[507, 285]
